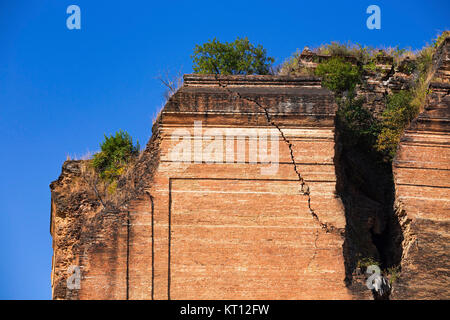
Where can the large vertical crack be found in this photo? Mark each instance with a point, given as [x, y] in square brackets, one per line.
[305, 189]
[365, 185]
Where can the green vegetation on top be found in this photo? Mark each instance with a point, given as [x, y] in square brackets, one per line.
[238, 57]
[403, 106]
[398, 114]
[116, 152]
[365, 55]
[358, 124]
[338, 76]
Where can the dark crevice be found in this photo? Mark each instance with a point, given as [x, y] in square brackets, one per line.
[366, 187]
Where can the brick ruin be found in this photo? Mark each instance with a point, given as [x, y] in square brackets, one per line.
[376, 84]
[422, 181]
[241, 193]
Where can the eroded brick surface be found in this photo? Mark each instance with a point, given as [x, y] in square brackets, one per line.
[422, 179]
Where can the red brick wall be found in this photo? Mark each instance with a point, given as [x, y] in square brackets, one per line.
[226, 230]
[422, 179]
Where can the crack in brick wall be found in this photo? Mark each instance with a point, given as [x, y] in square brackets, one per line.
[305, 189]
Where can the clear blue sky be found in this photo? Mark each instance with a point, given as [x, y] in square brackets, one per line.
[61, 90]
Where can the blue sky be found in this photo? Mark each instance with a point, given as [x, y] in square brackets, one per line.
[61, 90]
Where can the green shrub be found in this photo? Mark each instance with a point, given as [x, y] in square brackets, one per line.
[407, 66]
[293, 67]
[440, 38]
[116, 152]
[335, 48]
[358, 125]
[399, 112]
[396, 117]
[338, 76]
[393, 274]
[370, 66]
[424, 60]
[238, 57]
